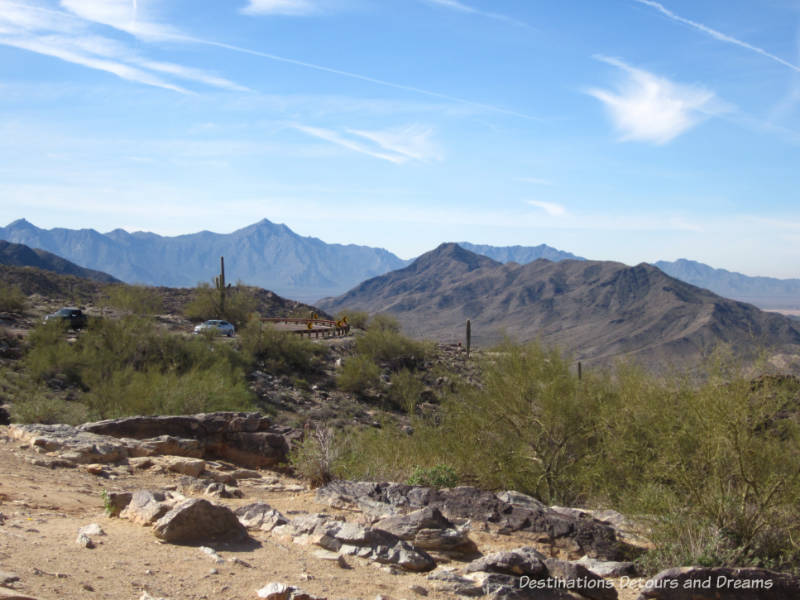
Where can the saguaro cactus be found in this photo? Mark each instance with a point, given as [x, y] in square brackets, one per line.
[219, 282]
[469, 336]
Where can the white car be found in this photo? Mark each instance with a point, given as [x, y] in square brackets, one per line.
[221, 327]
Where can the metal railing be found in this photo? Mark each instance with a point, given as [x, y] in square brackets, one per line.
[315, 328]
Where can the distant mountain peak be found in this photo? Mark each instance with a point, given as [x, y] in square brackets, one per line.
[596, 310]
[520, 254]
[22, 223]
[453, 253]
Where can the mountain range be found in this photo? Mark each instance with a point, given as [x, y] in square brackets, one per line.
[765, 292]
[519, 254]
[597, 310]
[20, 255]
[274, 257]
[264, 254]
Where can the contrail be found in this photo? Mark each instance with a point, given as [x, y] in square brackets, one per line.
[718, 35]
[374, 80]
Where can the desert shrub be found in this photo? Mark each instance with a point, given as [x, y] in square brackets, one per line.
[390, 454]
[358, 374]
[729, 469]
[9, 343]
[280, 351]
[405, 390]
[155, 392]
[11, 298]
[137, 299]
[709, 464]
[42, 406]
[384, 322]
[34, 402]
[533, 426]
[384, 345]
[50, 354]
[315, 456]
[357, 319]
[240, 304]
[438, 476]
[130, 366]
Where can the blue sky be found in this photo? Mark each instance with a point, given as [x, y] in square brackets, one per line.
[628, 130]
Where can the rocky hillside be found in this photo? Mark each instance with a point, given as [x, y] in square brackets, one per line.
[20, 255]
[264, 254]
[49, 289]
[596, 310]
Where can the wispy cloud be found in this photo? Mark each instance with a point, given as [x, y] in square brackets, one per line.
[123, 15]
[69, 36]
[191, 74]
[717, 35]
[130, 18]
[56, 48]
[551, 208]
[466, 8]
[280, 7]
[351, 75]
[649, 108]
[413, 142]
[397, 145]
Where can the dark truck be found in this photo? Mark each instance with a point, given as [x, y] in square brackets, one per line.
[74, 317]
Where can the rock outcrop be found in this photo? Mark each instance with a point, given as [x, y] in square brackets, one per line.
[524, 573]
[261, 516]
[427, 528]
[246, 439]
[346, 538]
[577, 535]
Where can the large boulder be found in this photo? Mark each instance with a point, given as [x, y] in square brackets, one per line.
[260, 515]
[346, 538]
[199, 521]
[585, 582]
[427, 528]
[146, 507]
[521, 561]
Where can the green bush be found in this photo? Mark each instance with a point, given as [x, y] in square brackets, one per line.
[384, 322]
[280, 351]
[384, 345]
[11, 298]
[438, 476]
[152, 392]
[44, 408]
[711, 463]
[137, 299]
[130, 366]
[405, 390]
[358, 375]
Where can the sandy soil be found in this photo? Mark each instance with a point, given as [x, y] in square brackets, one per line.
[42, 510]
